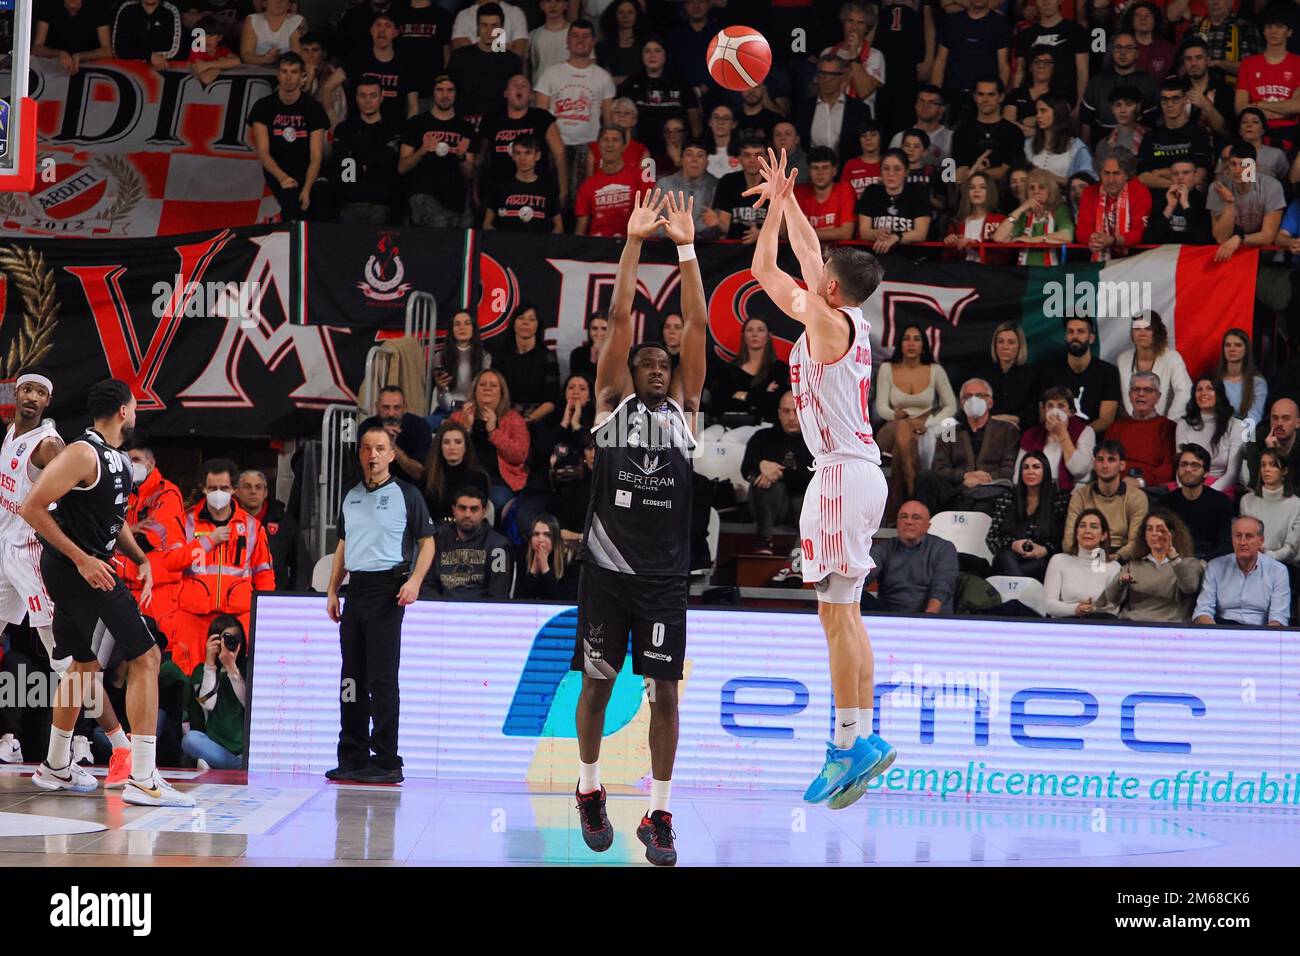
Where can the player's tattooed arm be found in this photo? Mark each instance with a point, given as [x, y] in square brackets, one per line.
[613, 381]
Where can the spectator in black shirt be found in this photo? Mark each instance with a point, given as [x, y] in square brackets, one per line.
[229, 15]
[988, 143]
[519, 117]
[660, 93]
[350, 34]
[778, 467]
[425, 44]
[582, 360]
[1177, 137]
[72, 31]
[1014, 383]
[1068, 41]
[365, 161]
[149, 30]
[525, 202]
[1211, 96]
[437, 159]
[1095, 118]
[288, 133]
[1207, 513]
[737, 217]
[752, 384]
[472, 562]
[254, 494]
[1179, 215]
[452, 465]
[891, 212]
[624, 27]
[529, 367]
[381, 59]
[753, 119]
[1093, 381]
[545, 573]
[973, 43]
[480, 70]
[411, 435]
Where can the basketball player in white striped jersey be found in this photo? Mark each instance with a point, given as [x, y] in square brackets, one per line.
[830, 376]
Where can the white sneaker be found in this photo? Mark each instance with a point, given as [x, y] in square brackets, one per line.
[157, 792]
[74, 778]
[204, 765]
[81, 751]
[11, 751]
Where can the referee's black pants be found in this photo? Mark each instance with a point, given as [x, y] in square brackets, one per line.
[370, 636]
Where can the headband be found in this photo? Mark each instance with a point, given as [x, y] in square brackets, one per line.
[35, 379]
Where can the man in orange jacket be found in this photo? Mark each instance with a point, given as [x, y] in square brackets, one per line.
[155, 513]
[222, 559]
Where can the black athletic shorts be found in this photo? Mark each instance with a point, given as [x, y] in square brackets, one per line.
[84, 617]
[651, 607]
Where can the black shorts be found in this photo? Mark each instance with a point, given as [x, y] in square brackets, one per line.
[651, 607]
[89, 623]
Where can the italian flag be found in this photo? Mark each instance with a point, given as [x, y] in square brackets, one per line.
[1198, 299]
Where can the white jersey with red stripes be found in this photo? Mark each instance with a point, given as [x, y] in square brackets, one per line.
[16, 479]
[833, 398]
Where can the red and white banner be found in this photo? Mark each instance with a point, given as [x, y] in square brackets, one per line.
[126, 151]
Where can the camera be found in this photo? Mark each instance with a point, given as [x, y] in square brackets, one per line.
[230, 639]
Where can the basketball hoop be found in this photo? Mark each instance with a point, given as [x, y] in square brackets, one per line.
[18, 110]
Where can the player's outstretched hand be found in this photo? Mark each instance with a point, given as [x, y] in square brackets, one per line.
[772, 171]
[645, 218]
[680, 221]
[98, 574]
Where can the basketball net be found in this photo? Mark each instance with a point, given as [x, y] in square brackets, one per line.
[18, 116]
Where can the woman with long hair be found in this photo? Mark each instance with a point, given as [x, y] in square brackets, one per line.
[1208, 421]
[582, 360]
[661, 93]
[556, 454]
[460, 359]
[1162, 580]
[499, 435]
[1245, 387]
[1054, 146]
[1075, 584]
[1041, 78]
[722, 142]
[1151, 353]
[1028, 520]
[1272, 500]
[221, 695]
[753, 382]
[452, 465]
[1063, 436]
[914, 397]
[977, 218]
[673, 139]
[545, 573]
[1010, 376]
[624, 27]
[1156, 55]
[671, 335]
[529, 367]
[1251, 127]
[1043, 217]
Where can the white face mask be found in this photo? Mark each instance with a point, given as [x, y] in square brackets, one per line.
[1057, 414]
[139, 471]
[975, 407]
[217, 500]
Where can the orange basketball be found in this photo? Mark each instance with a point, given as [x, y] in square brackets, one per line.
[739, 58]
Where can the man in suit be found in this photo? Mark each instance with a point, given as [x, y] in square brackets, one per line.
[972, 459]
[833, 119]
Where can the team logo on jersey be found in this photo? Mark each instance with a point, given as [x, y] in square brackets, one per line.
[649, 464]
[21, 448]
[13, 465]
[273, 528]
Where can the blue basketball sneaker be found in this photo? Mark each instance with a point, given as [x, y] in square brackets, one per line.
[842, 766]
[851, 794]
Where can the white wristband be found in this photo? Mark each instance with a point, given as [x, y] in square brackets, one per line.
[686, 253]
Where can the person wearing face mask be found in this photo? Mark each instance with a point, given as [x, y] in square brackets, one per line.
[223, 558]
[973, 460]
[1063, 437]
[155, 513]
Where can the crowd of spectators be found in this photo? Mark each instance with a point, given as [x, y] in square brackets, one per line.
[1106, 124]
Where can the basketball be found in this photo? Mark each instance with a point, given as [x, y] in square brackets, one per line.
[739, 58]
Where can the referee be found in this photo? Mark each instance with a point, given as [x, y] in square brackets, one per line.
[382, 523]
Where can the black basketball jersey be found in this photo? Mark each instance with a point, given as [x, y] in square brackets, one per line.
[639, 518]
[92, 516]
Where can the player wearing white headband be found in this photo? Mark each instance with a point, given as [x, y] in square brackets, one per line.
[30, 444]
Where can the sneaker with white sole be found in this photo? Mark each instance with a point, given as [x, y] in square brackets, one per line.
[11, 751]
[155, 792]
[81, 751]
[73, 778]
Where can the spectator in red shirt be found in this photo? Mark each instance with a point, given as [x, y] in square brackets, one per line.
[1113, 214]
[828, 204]
[863, 171]
[208, 63]
[605, 198]
[1147, 436]
[1270, 79]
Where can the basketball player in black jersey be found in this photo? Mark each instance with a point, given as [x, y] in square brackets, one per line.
[635, 551]
[89, 483]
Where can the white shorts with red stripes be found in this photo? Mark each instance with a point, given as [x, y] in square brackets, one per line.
[842, 510]
[22, 589]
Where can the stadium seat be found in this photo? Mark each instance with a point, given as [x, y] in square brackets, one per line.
[320, 574]
[722, 460]
[1028, 591]
[965, 529]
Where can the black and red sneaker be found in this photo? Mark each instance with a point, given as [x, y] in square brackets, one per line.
[593, 821]
[656, 832]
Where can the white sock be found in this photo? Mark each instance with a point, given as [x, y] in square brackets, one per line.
[142, 757]
[659, 791]
[119, 739]
[866, 720]
[588, 777]
[846, 727]
[60, 754]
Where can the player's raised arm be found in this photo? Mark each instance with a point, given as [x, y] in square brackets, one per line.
[612, 379]
[803, 239]
[688, 383]
[70, 468]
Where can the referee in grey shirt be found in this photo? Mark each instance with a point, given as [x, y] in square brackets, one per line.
[386, 547]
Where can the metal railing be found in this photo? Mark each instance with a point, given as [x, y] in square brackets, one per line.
[338, 439]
